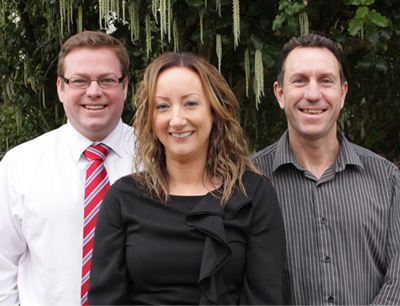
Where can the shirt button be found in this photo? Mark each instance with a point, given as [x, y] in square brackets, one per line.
[327, 259]
[323, 220]
[331, 299]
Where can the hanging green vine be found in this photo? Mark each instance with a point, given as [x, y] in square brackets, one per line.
[201, 14]
[259, 76]
[175, 35]
[135, 28]
[148, 36]
[218, 7]
[80, 19]
[247, 70]
[236, 22]
[218, 46]
[304, 25]
[123, 11]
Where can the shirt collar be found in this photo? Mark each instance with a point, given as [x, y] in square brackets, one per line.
[347, 155]
[78, 143]
[116, 139]
[285, 155]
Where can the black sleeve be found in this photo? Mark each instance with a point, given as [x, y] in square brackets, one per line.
[108, 283]
[265, 255]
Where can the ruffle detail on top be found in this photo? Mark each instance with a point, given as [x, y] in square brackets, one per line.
[208, 217]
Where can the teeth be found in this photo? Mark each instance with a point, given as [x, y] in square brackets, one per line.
[313, 111]
[181, 135]
[94, 106]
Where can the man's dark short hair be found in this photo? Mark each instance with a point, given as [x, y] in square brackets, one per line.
[306, 41]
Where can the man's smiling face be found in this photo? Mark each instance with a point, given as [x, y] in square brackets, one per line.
[94, 112]
[311, 94]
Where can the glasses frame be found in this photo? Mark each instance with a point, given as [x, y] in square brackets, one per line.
[90, 81]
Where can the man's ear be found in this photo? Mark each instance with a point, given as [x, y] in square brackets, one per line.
[345, 88]
[125, 87]
[278, 90]
[60, 89]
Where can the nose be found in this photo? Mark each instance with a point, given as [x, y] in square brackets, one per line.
[313, 92]
[94, 90]
[177, 119]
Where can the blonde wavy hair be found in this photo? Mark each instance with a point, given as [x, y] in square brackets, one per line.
[227, 158]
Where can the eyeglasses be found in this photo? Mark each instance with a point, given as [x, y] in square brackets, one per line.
[83, 83]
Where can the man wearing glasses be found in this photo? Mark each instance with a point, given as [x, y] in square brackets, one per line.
[47, 213]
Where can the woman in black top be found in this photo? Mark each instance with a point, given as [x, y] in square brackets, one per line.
[200, 225]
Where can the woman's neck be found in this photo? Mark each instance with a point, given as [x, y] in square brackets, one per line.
[188, 178]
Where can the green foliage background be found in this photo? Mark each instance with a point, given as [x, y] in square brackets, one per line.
[368, 32]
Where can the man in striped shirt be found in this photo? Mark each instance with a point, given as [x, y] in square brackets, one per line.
[340, 202]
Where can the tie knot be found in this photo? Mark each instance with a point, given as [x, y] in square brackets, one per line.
[98, 152]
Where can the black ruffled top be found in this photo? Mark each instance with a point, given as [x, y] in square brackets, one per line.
[192, 251]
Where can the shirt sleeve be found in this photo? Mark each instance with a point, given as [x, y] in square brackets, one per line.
[389, 293]
[12, 242]
[266, 248]
[108, 284]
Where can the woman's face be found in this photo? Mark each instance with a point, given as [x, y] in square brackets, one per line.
[182, 115]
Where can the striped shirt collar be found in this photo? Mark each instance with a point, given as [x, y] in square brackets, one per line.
[347, 155]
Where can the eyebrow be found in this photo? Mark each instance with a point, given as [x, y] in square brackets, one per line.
[329, 74]
[184, 96]
[323, 75]
[101, 75]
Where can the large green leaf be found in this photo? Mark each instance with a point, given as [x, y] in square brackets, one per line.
[268, 61]
[283, 4]
[278, 21]
[362, 12]
[381, 64]
[294, 8]
[386, 34]
[396, 29]
[339, 36]
[355, 26]
[364, 64]
[257, 42]
[377, 18]
[373, 37]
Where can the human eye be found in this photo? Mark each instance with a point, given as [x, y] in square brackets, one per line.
[191, 103]
[108, 82]
[161, 106]
[326, 81]
[298, 80]
[78, 82]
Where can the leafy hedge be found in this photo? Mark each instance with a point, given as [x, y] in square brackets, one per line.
[368, 31]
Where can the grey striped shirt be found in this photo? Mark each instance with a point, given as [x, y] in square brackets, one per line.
[343, 230]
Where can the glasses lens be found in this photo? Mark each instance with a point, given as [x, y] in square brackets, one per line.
[108, 82]
[79, 82]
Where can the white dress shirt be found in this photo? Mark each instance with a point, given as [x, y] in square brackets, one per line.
[41, 214]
